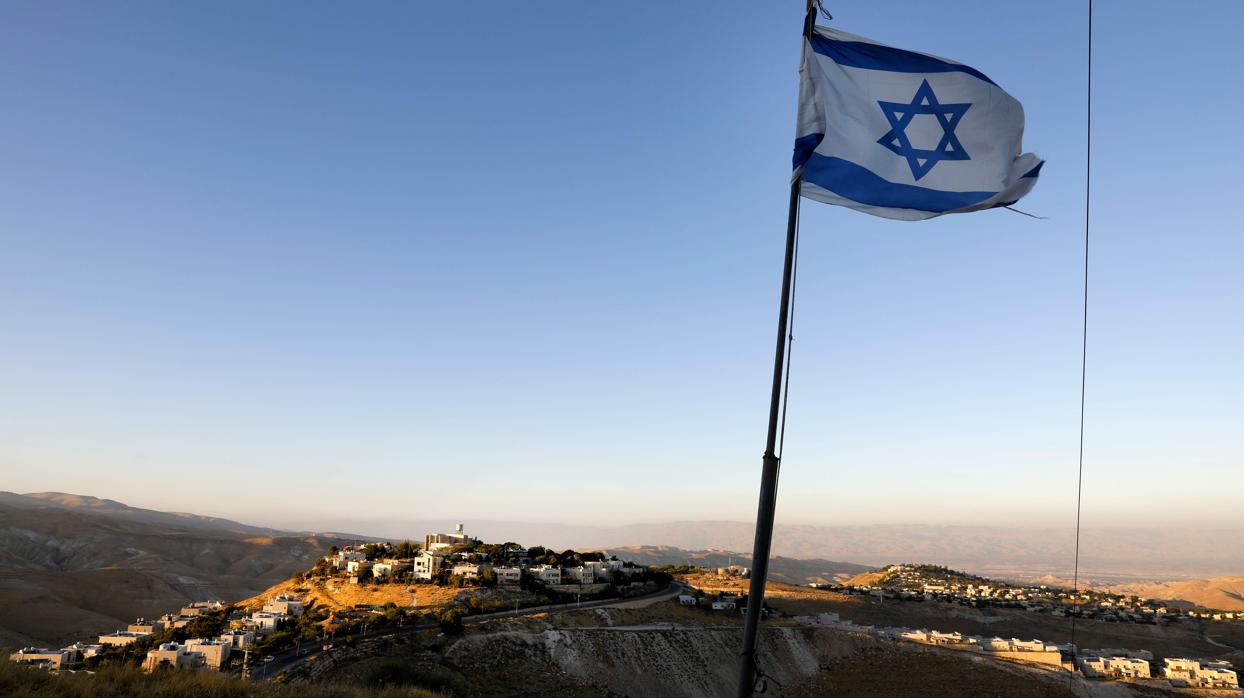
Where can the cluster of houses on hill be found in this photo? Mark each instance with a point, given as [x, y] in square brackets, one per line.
[929, 583]
[1138, 664]
[77, 653]
[209, 652]
[56, 660]
[443, 556]
[1092, 663]
[214, 653]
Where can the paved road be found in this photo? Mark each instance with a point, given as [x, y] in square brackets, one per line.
[289, 659]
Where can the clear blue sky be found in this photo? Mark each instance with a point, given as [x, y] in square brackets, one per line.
[281, 260]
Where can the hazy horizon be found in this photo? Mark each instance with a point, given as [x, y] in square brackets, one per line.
[282, 265]
[1108, 554]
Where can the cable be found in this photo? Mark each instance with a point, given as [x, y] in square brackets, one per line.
[790, 333]
[1088, 179]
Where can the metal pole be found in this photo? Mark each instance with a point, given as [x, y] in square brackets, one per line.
[770, 463]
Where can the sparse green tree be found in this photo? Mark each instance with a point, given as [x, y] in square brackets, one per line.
[451, 621]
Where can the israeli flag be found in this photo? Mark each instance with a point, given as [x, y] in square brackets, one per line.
[905, 135]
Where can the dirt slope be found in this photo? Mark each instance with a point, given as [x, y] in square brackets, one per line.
[66, 574]
[1226, 593]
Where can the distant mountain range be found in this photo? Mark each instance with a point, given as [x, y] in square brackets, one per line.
[1107, 555]
[781, 569]
[109, 507]
[71, 566]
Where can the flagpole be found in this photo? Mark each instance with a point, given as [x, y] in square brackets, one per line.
[770, 463]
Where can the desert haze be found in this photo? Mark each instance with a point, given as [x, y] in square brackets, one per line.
[1114, 555]
[72, 562]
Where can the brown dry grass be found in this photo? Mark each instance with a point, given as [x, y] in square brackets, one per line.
[788, 598]
[929, 675]
[339, 594]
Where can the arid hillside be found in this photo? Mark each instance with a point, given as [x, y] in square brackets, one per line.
[1226, 593]
[110, 507]
[339, 595]
[1192, 639]
[67, 572]
[664, 650]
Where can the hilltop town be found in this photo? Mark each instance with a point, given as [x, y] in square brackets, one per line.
[911, 583]
[447, 578]
[939, 589]
[935, 583]
[333, 613]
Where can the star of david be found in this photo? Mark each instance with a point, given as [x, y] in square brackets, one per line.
[900, 115]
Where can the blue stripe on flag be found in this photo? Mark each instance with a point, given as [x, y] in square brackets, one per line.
[850, 181]
[858, 54]
[804, 145]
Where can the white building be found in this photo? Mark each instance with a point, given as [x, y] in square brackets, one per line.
[470, 570]
[85, 651]
[388, 568]
[1179, 670]
[145, 626]
[427, 565]
[1113, 667]
[581, 575]
[1217, 675]
[600, 569]
[285, 604]
[508, 575]
[198, 608]
[172, 620]
[121, 637]
[938, 637]
[215, 652]
[265, 622]
[1200, 673]
[174, 655]
[547, 574]
[238, 639]
[51, 659]
[686, 599]
[356, 566]
[339, 560]
[433, 542]
[1002, 644]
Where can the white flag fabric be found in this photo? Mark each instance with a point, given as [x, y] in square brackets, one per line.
[905, 135]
